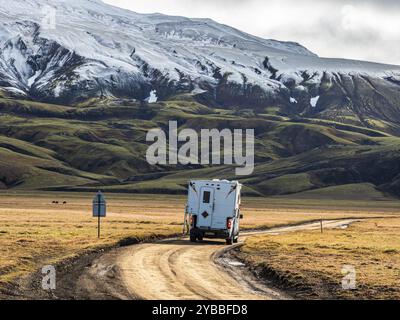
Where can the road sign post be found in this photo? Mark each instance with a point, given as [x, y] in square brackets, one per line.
[98, 226]
[99, 210]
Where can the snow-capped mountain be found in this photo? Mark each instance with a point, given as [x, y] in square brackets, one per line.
[68, 50]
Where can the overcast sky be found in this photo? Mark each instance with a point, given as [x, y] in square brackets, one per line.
[357, 29]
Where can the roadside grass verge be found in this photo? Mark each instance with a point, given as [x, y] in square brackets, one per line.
[35, 232]
[309, 264]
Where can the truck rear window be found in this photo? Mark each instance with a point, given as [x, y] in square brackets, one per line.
[206, 196]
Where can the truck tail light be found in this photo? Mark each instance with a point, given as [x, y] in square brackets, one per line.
[193, 220]
[229, 223]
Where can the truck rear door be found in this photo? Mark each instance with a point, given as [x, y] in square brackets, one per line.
[206, 208]
[224, 207]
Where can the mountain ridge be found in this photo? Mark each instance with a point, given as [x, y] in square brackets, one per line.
[100, 50]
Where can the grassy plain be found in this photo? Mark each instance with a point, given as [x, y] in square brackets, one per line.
[34, 231]
[310, 264]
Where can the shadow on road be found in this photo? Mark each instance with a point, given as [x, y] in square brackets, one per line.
[186, 242]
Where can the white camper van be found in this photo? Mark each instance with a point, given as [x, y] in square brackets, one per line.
[213, 210]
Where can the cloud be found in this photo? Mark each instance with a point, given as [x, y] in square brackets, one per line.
[355, 29]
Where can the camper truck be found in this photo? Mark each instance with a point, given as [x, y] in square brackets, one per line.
[213, 210]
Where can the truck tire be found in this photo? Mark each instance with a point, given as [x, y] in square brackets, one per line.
[236, 240]
[193, 239]
[229, 241]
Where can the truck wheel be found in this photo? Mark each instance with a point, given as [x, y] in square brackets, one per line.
[193, 239]
[200, 238]
[229, 241]
[236, 240]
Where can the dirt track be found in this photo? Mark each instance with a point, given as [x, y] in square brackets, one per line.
[177, 270]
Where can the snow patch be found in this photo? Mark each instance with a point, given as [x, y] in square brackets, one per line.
[57, 91]
[293, 100]
[153, 97]
[14, 90]
[314, 101]
[32, 79]
[198, 91]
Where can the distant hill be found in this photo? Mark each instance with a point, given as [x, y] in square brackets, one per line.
[77, 99]
[102, 144]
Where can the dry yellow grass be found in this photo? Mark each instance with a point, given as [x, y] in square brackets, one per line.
[311, 262]
[34, 232]
[270, 212]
